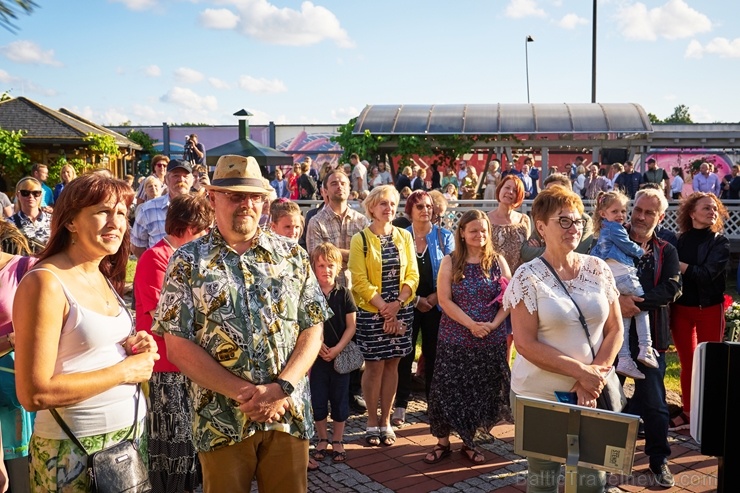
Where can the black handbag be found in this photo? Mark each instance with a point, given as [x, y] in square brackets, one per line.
[612, 397]
[118, 468]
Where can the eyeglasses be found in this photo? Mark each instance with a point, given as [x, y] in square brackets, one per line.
[238, 198]
[566, 222]
[27, 193]
[160, 165]
[422, 207]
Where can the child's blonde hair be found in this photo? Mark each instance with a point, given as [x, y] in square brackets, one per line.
[282, 208]
[329, 252]
[603, 201]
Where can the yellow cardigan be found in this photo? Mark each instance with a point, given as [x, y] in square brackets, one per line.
[366, 270]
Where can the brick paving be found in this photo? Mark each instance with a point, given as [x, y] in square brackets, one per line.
[400, 468]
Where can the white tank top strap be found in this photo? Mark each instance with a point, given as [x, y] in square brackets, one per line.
[71, 299]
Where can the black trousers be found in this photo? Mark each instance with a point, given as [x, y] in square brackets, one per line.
[426, 324]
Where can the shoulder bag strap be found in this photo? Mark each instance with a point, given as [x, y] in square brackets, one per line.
[76, 440]
[581, 318]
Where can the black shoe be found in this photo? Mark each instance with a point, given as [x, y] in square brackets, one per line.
[641, 430]
[663, 476]
[358, 403]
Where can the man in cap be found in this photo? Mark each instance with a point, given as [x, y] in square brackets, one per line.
[148, 227]
[241, 313]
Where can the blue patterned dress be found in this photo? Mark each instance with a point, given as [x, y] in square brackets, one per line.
[470, 387]
[375, 344]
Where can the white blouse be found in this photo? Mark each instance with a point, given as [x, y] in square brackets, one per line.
[534, 285]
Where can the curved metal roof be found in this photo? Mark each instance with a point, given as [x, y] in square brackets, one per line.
[492, 119]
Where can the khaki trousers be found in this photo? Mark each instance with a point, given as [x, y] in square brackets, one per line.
[278, 460]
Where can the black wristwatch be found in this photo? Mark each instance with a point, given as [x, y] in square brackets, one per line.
[286, 386]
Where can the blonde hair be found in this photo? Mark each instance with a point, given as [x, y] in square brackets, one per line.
[603, 201]
[376, 195]
[282, 208]
[329, 252]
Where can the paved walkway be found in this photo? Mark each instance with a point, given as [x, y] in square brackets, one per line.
[400, 468]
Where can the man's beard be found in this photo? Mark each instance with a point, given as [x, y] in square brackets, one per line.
[240, 224]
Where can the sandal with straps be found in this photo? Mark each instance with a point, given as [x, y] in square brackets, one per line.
[473, 455]
[372, 436]
[387, 436]
[320, 454]
[336, 455]
[438, 453]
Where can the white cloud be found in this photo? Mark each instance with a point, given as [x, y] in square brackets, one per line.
[145, 113]
[571, 21]
[723, 47]
[700, 114]
[187, 98]
[152, 71]
[188, 75]
[523, 8]
[20, 86]
[262, 20]
[29, 52]
[218, 83]
[138, 4]
[113, 116]
[674, 20]
[218, 19]
[343, 114]
[694, 50]
[261, 85]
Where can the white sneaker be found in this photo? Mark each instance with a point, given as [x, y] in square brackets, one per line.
[647, 356]
[628, 368]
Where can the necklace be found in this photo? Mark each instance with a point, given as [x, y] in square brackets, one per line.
[421, 255]
[87, 280]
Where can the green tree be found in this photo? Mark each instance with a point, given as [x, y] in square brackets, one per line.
[365, 145]
[103, 145]
[680, 115]
[9, 12]
[55, 170]
[654, 119]
[143, 139]
[13, 159]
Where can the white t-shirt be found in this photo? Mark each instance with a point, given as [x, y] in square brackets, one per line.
[359, 171]
[534, 285]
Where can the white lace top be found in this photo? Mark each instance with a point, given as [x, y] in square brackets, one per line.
[534, 285]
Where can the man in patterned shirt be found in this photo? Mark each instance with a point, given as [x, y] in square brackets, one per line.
[241, 313]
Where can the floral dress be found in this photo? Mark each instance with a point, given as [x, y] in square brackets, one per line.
[471, 383]
[375, 344]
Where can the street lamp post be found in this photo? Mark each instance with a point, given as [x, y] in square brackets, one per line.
[527, 40]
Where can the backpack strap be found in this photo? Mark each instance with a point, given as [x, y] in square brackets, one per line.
[364, 242]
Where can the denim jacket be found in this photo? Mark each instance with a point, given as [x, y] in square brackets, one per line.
[614, 243]
[437, 251]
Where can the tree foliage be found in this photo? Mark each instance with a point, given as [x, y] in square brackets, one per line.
[9, 11]
[365, 145]
[680, 115]
[143, 139]
[103, 145]
[55, 169]
[13, 159]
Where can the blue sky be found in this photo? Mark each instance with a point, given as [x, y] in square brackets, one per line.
[154, 61]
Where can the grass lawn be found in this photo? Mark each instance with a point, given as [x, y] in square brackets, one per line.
[130, 270]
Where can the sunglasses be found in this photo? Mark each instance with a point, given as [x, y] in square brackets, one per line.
[28, 193]
[238, 198]
[421, 207]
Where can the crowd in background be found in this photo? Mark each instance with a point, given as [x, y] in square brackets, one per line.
[366, 277]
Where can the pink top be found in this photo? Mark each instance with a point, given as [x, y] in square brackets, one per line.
[8, 285]
[148, 283]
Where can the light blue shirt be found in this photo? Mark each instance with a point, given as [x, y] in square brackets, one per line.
[707, 184]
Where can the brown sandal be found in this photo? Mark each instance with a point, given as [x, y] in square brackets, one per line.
[473, 455]
[438, 453]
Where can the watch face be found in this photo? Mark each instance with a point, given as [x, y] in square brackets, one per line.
[286, 386]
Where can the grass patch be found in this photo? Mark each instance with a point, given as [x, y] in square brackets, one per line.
[130, 270]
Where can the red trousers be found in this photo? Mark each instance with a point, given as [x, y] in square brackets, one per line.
[691, 325]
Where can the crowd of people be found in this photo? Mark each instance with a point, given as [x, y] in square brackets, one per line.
[244, 309]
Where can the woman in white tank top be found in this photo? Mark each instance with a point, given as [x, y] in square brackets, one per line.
[76, 352]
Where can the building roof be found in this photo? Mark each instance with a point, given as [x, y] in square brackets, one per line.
[497, 119]
[44, 125]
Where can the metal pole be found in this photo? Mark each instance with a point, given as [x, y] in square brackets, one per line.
[528, 39]
[593, 58]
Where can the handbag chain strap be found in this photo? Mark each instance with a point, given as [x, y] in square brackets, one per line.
[76, 440]
[581, 318]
